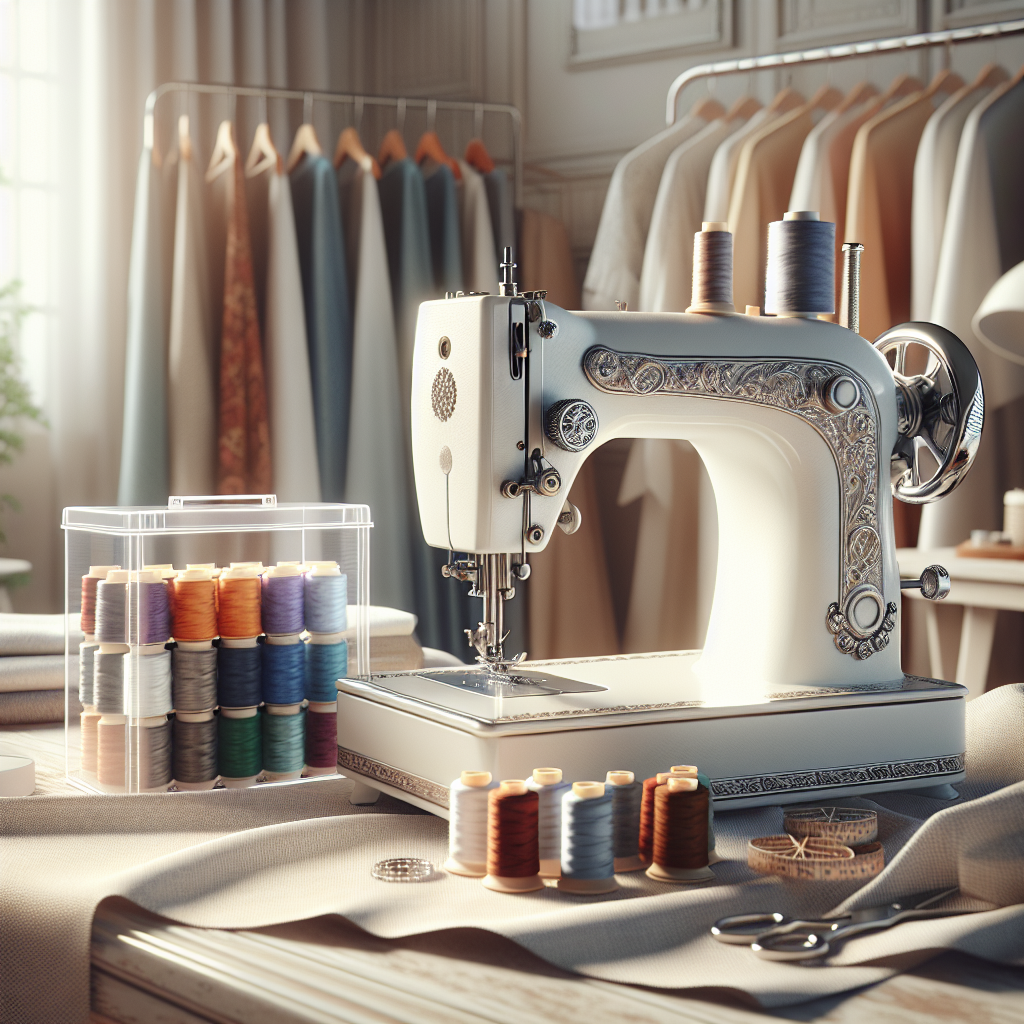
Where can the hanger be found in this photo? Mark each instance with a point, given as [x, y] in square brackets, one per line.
[744, 109]
[990, 76]
[826, 98]
[945, 81]
[477, 156]
[184, 139]
[430, 148]
[305, 142]
[902, 85]
[224, 151]
[785, 101]
[263, 154]
[860, 93]
[392, 147]
[350, 147]
[708, 109]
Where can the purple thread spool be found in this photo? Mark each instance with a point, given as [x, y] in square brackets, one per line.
[322, 739]
[154, 608]
[283, 592]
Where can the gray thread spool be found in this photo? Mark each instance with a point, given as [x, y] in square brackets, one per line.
[627, 794]
[712, 269]
[194, 751]
[801, 276]
[110, 602]
[151, 755]
[108, 681]
[86, 672]
[194, 678]
[548, 785]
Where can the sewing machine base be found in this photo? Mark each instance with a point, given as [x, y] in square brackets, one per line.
[409, 734]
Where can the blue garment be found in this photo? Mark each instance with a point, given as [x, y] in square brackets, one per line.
[445, 237]
[328, 314]
[503, 216]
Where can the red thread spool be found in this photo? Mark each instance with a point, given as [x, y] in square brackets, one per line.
[89, 582]
[680, 831]
[239, 597]
[195, 605]
[513, 838]
[322, 739]
[647, 815]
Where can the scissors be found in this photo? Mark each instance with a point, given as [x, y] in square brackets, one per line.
[776, 937]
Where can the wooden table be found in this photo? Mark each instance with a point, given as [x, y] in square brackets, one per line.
[983, 586]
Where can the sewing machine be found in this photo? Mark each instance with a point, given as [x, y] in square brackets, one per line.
[798, 692]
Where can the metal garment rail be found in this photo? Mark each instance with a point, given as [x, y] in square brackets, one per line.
[845, 51]
[309, 97]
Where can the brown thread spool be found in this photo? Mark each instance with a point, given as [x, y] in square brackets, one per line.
[90, 720]
[239, 598]
[110, 755]
[89, 582]
[712, 270]
[680, 832]
[646, 846]
[195, 605]
[513, 838]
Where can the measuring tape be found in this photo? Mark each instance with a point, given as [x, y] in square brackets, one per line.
[848, 825]
[814, 858]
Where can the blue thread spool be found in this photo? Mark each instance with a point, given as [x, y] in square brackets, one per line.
[548, 785]
[326, 599]
[326, 662]
[588, 861]
[284, 670]
[283, 596]
[239, 673]
[627, 795]
[284, 741]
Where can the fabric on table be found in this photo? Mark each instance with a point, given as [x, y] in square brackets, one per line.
[377, 472]
[35, 672]
[982, 239]
[618, 253]
[503, 214]
[479, 267]
[722, 172]
[445, 232]
[249, 858]
[328, 314]
[27, 707]
[35, 634]
[192, 356]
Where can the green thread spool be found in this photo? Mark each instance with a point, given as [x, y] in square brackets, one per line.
[284, 741]
[239, 747]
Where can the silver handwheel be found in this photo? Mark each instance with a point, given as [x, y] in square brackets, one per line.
[940, 408]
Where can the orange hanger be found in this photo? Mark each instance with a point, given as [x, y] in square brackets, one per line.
[430, 148]
[990, 76]
[305, 142]
[785, 101]
[350, 147]
[945, 81]
[744, 108]
[902, 85]
[826, 98]
[224, 153]
[477, 156]
[707, 109]
[860, 93]
[392, 148]
[263, 154]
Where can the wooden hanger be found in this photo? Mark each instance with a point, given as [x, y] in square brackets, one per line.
[305, 142]
[263, 154]
[225, 152]
[392, 147]
[477, 156]
[184, 139]
[945, 81]
[860, 93]
[430, 148]
[350, 147]
[990, 76]
[707, 109]
[902, 85]
[744, 108]
[826, 98]
[785, 101]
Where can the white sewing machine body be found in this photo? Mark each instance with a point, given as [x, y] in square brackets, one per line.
[794, 419]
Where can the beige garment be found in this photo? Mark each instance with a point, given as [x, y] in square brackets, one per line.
[764, 182]
[618, 253]
[479, 266]
[545, 259]
[722, 172]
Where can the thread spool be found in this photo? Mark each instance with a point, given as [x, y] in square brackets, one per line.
[467, 824]
[284, 670]
[513, 851]
[89, 584]
[680, 832]
[151, 754]
[692, 771]
[86, 671]
[712, 269]
[166, 572]
[326, 599]
[238, 603]
[326, 663]
[239, 747]
[801, 276]
[257, 567]
[195, 605]
[108, 678]
[1013, 516]
[283, 596]
[322, 738]
[284, 746]
[90, 720]
[194, 750]
[111, 596]
[626, 795]
[239, 673]
[110, 753]
[194, 676]
[147, 674]
[588, 861]
[548, 785]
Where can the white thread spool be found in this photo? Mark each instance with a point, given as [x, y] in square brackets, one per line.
[548, 785]
[1013, 516]
[147, 675]
[467, 824]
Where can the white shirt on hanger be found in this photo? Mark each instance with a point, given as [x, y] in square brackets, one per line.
[723, 166]
[479, 267]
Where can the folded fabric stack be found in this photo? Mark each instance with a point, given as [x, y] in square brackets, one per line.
[32, 669]
[393, 647]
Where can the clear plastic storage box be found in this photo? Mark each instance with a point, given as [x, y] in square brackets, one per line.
[203, 640]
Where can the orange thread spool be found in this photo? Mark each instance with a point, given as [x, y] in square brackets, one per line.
[513, 838]
[238, 603]
[90, 739]
[89, 582]
[195, 607]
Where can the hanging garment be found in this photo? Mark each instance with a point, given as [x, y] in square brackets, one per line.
[192, 356]
[667, 275]
[293, 447]
[618, 254]
[479, 267]
[377, 469]
[569, 593]
[722, 172]
[983, 238]
[503, 214]
[328, 314]
[933, 179]
[144, 474]
[445, 233]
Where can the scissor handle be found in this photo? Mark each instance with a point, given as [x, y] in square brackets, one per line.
[799, 944]
[743, 929]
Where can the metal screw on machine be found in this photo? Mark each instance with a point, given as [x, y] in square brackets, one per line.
[570, 519]
[933, 584]
[849, 310]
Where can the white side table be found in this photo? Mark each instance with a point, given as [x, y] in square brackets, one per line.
[10, 567]
[983, 586]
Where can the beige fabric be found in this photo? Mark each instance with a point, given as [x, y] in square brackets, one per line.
[35, 634]
[479, 266]
[722, 172]
[36, 672]
[27, 707]
[545, 259]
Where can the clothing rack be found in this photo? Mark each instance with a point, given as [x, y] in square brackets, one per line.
[845, 51]
[309, 97]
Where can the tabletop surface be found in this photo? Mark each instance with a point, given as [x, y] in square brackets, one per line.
[981, 570]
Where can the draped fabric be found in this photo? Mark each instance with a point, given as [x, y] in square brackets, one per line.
[445, 233]
[479, 265]
[502, 208]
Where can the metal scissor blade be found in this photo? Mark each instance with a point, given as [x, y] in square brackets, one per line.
[921, 900]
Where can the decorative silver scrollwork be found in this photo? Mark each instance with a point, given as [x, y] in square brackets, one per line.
[847, 420]
[572, 424]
